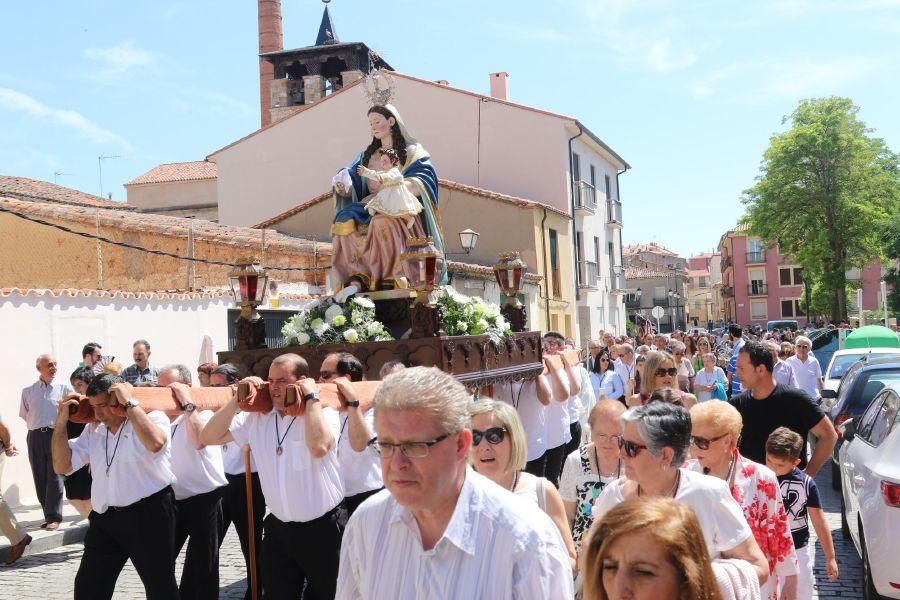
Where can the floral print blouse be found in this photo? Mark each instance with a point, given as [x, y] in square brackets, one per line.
[580, 485]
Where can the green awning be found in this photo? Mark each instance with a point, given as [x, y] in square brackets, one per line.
[872, 336]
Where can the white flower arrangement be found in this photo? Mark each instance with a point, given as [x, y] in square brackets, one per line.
[328, 321]
[467, 315]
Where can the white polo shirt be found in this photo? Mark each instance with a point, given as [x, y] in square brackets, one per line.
[133, 473]
[808, 374]
[522, 395]
[558, 432]
[233, 455]
[361, 470]
[297, 487]
[196, 471]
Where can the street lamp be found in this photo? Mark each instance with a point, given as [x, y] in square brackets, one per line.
[468, 239]
[248, 285]
[510, 273]
[674, 296]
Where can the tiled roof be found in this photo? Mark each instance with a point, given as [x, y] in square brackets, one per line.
[121, 294]
[182, 171]
[650, 247]
[644, 273]
[698, 273]
[163, 225]
[33, 190]
[484, 272]
[453, 185]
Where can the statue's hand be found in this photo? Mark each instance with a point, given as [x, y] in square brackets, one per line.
[342, 182]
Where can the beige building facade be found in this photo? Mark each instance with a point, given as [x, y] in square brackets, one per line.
[187, 189]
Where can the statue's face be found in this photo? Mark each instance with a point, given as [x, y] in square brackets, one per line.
[380, 125]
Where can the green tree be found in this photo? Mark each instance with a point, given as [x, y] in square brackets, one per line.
[825, 186]
[890, 236]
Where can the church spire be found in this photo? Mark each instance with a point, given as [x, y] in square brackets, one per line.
[326, 30]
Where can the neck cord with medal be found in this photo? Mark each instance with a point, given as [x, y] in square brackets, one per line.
[732, 470]
[600, 473]
[278, 449]
[515, 482]
[109, 461]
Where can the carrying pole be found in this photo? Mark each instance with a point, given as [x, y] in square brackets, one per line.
[251, 526]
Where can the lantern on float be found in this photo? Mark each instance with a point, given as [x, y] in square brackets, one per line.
[510, 274]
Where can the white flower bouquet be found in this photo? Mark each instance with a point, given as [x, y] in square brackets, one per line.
[329, 321]
[466, 315]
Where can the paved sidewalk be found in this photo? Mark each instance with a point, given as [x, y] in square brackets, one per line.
[71, 530]
[849, 585]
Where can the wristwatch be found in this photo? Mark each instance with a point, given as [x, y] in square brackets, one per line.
[130, 403]
[312, 396]
[353, 403]
[189, 407]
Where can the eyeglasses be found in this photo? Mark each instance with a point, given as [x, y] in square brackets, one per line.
[493, 436]
[672, 372]
[614, 438]
[409, 449]
[631, 449]
[602, 358]
[804, 346]
[703, 443]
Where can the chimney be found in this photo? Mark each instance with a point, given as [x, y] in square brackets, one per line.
[500, 85]
[270, 40]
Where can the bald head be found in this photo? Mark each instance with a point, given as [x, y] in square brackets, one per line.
[46, 366]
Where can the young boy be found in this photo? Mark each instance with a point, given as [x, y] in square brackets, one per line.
[801, 499]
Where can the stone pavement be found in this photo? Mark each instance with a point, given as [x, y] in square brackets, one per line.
[50, 575]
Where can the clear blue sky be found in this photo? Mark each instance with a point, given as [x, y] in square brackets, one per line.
[687, 92]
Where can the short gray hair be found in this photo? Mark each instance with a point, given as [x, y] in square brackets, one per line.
[803, 338]
[678, 347]
[426, 389]
[662, 425]
[184, 374]
[628, 348]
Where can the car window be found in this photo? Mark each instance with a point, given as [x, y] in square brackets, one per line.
[864, 426]
[869, 384]
[840, 365]
[884, 412]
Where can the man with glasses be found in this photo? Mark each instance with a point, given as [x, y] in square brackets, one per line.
[807, 369]
[38, 409]
[440, 530]
[594, 348]
[625, 367]
[300, 478]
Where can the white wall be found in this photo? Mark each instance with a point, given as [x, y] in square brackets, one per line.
[38, 323]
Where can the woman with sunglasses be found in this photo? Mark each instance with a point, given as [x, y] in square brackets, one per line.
[606, 382]
[715, 431]
[654, 444]
[703, 347]
[659, 372]
[591, 467]
[498, 452]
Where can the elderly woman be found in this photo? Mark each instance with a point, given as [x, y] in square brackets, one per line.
[659, 372]
[684, 366]
[715, 430]
[498, 452]
[664, 538]
[655, 441]
[707, 378]
[591, 467]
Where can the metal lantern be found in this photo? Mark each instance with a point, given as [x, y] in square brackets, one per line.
[468, 239]
[248, 284]
[425, 263]
[509, 271]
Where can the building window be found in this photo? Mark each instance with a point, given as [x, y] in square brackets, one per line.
[790, 309]
[554, 264]
[597, 249]
[788, 276]
[576, 167]
[702, 282]
[757, 309]
[593, 176]
[608, 187]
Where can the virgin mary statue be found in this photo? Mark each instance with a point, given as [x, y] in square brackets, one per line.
[368, 247]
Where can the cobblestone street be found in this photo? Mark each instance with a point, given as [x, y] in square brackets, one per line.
[50, 575]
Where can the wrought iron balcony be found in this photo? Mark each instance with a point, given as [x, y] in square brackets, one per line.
[631, 302]
[756, 257]
[727, 261]
[757, 289]
[585, 196]
[728, 292]
[614, 214]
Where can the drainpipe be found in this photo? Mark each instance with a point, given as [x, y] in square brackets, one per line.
[619, 198]
[572, 189]
[546, 278]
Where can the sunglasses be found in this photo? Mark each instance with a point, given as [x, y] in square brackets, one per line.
[671, 372]
[631, 449]
[703, 443]
[493, 436]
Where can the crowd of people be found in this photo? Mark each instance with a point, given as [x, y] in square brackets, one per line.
[655, 464]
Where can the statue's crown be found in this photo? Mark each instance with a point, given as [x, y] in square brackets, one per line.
[378, 87]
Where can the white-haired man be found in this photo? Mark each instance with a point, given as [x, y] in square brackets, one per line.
[806, 368]
[440, 530]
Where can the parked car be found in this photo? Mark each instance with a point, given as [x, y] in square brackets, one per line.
[773, 325]
[857, 389]
[842, 360]
[870, 499]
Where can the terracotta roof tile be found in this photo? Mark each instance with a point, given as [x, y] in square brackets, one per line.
[163, 225]
[645, 273]
[183, 171]
[652, 247]
[484, 272]
[33, 190]
[122, 294]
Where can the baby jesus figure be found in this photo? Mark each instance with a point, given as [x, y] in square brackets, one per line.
[393, 198]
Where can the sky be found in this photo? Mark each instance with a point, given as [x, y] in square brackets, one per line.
[689, 93]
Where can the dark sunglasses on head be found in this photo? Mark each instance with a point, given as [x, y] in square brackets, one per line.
[631, 449]
[671, 372]
[703, 443]
[493, 436]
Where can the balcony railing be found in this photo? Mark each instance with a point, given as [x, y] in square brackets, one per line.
[756, 257]
[726, 262]
[728, 292]
[632, 302]
[614, 213]
[757, 289]
[587, 274]
[585, 196]
[662, 301]
[618, 279]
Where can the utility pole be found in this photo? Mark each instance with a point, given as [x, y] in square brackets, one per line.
[100, 160]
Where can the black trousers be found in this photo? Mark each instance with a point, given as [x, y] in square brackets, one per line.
[296, 553]
[353, 502]
[556, 457]
[234, 510]
[143, 532]
[198, 520]
[575, 442]
[538, 466]
[47, 484]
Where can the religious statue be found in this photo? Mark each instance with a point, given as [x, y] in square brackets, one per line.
[387, 195]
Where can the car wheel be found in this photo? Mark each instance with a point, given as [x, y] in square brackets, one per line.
[845, 527]
[869, 592]
[835, 476]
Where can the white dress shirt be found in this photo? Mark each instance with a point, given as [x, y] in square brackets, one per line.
[808, 374]
[522, 395]
[297, 487]
[496, 545]
[587, 399]
[233, 455]
[625, 372]
[784, 374]
[558, 432]
[134, 472]
[196, 471]
[40, 403]
[361, 470]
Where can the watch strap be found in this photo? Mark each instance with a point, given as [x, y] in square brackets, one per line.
[311, 396]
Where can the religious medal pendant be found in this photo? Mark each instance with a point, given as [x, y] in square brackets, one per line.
[279, 450]
[107, 471]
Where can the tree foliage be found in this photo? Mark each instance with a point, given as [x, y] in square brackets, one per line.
[890, 237]
[825, 187]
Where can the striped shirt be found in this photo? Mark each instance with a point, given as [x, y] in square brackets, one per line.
[495, 546]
